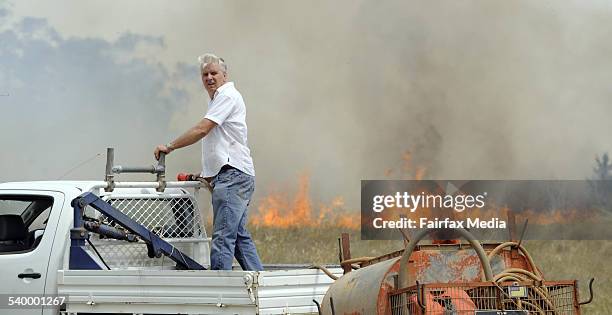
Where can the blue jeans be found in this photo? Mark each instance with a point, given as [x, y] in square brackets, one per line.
[232, 191]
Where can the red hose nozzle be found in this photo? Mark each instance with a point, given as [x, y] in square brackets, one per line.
[184, 177]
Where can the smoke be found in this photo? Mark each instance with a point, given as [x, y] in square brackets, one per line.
[67, 99]
[474, 89]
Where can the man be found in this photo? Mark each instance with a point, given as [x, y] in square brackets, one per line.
[226, 164]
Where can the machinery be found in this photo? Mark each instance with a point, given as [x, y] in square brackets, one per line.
[456, 278]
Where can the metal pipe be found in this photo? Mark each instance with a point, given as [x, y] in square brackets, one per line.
[110, 158]
[111, 169]
[143, 195]
[161, 176]
[109, 177]
[109, 231]
[482, 255]
[153, 169]
[192, 184]
[420, 295]
[181, 240]
[162, 159]
[160, 168]
[523, 232]
[156, 184]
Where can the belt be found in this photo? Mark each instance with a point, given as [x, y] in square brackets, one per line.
[223, 168]
[226, 167]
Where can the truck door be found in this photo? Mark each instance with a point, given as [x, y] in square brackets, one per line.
[26, 249]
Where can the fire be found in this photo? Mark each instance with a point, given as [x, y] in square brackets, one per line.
[280, 211]
[419, 173]
[408, 169]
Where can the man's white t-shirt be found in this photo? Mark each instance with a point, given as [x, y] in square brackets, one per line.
[227, 142]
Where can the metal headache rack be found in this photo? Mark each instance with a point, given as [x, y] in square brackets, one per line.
[170, 213]
[173, 217]
[548, 297]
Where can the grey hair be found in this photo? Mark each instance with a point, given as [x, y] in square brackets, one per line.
[207, 58]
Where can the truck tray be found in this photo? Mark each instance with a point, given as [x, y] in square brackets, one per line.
[193, 292]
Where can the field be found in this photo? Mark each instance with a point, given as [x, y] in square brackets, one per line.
[559, 260]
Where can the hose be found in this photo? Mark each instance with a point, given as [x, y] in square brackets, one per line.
[517, 274]
[482, 255]
[512, 271]
[523, 251]
[355, 260]
[509, 278]
[325, 270]
[519, 303]
[350, 262]
[511, 274]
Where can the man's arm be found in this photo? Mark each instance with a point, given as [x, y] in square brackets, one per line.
[190, 137]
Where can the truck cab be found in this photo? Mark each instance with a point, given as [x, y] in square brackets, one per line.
[34, 228]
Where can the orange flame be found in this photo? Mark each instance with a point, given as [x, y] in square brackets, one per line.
[408, 170]
[279, 211]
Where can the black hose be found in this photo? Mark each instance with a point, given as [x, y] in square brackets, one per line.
[590, 293]
[97, 253]
[318, 306]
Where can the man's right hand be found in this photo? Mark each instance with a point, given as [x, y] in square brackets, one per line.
[205, 183]
[162, 148]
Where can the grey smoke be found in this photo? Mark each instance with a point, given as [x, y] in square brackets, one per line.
[474, 89]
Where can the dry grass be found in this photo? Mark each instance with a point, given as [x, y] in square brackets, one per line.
[312, 245]
[559, 260]
[579, 260]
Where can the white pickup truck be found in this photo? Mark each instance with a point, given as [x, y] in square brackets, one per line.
[36, 219]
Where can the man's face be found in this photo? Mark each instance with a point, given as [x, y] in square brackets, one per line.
[213, 77]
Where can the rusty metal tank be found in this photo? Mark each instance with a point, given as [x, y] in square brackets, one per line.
[366, 290]
[363, 291]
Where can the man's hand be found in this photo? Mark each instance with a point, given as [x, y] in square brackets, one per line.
[162, 148]
[205, 183]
